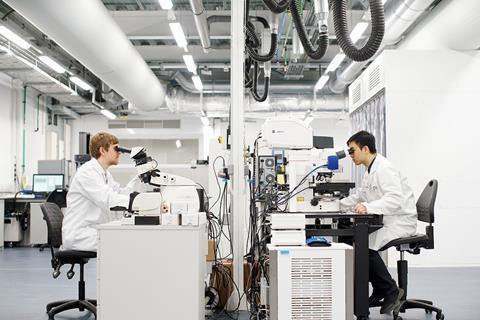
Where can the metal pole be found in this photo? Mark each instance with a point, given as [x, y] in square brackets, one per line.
[237, 58]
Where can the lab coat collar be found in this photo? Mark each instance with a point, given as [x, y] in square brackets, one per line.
[379, 158]
[97, 166]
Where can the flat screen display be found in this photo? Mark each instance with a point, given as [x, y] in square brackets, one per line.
[44, 183]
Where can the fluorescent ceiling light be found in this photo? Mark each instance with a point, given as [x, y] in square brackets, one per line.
[191, 66]
[205, 121]
[108, 114]
[178, 143]
[358, 31]
[82, 84]
[321, 82]
[308, 120]
[178, 34]
[52, 64]
[335, 62]
[7, 33]
[131, 131]
[197, 82]
[5, 49]
[166, 4]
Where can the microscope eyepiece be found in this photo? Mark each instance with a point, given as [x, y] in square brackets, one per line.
[122, 149]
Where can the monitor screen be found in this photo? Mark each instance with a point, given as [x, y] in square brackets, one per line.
[44, 183]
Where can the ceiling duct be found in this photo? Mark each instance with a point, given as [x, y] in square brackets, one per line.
[200, 17]
[86, 30]
[183, 102]
[296, 87]
[399, 17]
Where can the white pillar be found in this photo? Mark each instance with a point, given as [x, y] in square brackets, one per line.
[237, 99]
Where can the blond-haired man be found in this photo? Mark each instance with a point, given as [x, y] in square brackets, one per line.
[92, 193]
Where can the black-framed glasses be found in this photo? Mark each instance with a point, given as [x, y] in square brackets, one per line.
[351, 150]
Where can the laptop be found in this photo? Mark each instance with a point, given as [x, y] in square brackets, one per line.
[43, 184]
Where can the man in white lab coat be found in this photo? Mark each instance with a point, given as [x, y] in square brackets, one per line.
[383, 191]
[92, 193]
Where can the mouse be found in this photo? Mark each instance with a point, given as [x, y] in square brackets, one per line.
[318, 242]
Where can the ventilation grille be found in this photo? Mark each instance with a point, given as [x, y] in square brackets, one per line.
[374, 78]
[144, 124]
[356, 94]
[312, 288]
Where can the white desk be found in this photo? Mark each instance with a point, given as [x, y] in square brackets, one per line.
[151, 272]
[36, 232]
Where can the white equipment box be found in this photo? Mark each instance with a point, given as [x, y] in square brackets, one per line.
[288, 237]
[311, 282]
[288, 221]
[287, 132]
[151, 272]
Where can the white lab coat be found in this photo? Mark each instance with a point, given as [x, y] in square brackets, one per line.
[92, 193]
[385, 191]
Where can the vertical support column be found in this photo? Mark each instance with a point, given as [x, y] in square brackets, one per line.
[237, 58]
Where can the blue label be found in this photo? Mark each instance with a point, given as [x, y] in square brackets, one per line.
[284, 252]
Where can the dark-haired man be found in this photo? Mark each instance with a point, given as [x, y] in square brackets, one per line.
[383, 191]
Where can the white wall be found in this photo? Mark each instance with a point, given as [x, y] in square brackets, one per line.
[6, 127]
[11, 133]
[432, 113]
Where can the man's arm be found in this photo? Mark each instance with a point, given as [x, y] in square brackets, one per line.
[391, 185]
[350, 201]
[100, 193]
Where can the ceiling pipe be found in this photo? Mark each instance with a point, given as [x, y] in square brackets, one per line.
[104, 50]
[400, 15]
[200, 17]
[296, 87]
[183, 102]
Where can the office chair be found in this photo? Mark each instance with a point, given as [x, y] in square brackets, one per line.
[54, 218]
[425, 210]
[59, 197]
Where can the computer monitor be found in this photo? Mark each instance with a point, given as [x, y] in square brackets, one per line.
[45, 183]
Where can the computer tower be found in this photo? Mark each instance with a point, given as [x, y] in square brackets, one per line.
[314, 283]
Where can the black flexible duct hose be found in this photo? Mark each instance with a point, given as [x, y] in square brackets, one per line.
[254, 91]
[248, 79]
[269, 56]
[276, 7]
[262, 20]
[315, 54]
[343, 35]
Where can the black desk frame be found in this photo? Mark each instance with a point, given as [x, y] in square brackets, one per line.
[362, 226]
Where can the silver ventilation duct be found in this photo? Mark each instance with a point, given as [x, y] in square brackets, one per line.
[296, 87]
[180, 101]
[88, 32]
[400, 15]
[200, 17]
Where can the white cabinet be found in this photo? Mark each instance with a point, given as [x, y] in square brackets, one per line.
[151, 272]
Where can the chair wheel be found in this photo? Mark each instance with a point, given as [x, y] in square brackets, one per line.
[70, 274]
[440, 316]
[55, 274]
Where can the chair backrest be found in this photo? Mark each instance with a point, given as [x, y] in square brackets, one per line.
[54, 218]
[59, 197]
[426, 202]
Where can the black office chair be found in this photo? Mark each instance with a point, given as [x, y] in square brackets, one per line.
[425, 210]
[54, 218]
[59, 197]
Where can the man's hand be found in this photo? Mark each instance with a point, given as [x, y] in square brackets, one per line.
[360, 208]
